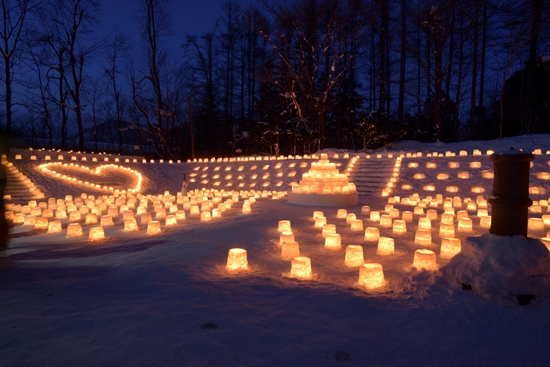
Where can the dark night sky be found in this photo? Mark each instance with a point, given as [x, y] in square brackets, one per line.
[188, 17]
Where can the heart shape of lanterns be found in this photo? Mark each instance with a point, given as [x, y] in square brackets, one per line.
[83, 171]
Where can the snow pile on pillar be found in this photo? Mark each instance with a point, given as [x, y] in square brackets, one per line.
[501, 268]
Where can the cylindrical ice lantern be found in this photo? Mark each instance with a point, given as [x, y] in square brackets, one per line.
[425, 259]
[153, 227]
[357, 225]
[301, 268]
[464, 225]
[286, 237]
[350, 217]
[284, 226]
[354, 255]
[399, 226]
[96, 233]
[365, 210]
[386, 221]
[290, 250]
[450, 247]
[485, 221]
[510, 200]
[130, 225]
[423, 237]
[333, 241]
[320, 221]
[385, 246]
[371, 276]
[54, 226]
[40, 223]
[236, 259]
[375, 216]
[372, 234]
[342, 213]
[107, 221]
[407, 216]
[74, 230]
[446, 230]
[424, 223]
[328, 228]
[535, 224]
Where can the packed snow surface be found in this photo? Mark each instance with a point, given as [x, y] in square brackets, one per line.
[166, 300]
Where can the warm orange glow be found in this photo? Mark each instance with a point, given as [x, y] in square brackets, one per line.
[354, 255]
[74, 230]
[357, 225]
[153, 227]
[386, 221]
[206, 216]
[301, 268]
[236, 260]
[399, 226]
[96, 233]
[371, 276]
[424, 223]
[535, 224]
[107, 221]
[328, 228]
[431, 165]
[290, 250]
[333, 241]
[424, 259]
[451, 189]
[419, 176]
[350, 217]
[40, 223]
[287, 237]
[375, 216]
[284, 226]
[365, 210]
[406, 187]
[423, 237]
[54, 226]
[413, 165]
[385, 246]
[464, 224]
[450, 247]
[446, 230]
[418, 210]
[407, 216]
[342, 213]
[442, 176]
[320, 222]
[478, 189]
[475, 164]
[454, 164]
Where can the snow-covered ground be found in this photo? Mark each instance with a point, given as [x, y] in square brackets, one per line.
[166, 300]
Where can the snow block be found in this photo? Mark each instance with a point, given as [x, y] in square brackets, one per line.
[501, 268]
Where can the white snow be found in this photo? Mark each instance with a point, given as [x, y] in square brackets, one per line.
[166, 300]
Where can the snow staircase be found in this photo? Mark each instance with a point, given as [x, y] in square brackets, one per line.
[371, 175]
[19, 189]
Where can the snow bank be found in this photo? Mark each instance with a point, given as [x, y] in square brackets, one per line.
[500, 268]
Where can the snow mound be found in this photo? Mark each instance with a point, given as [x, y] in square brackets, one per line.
[500, 268]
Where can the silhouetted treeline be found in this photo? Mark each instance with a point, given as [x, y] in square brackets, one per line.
[277, 77]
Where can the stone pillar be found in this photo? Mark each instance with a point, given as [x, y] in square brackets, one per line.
[510, 200]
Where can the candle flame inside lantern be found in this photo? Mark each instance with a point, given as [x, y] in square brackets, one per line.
[290, 250]
[385, 246]
[301, 268]
[153, 227]
[354, 255]
[333, 241]
[96, 233]
[425, 259]
[450, 247]
[236, 260]
[371, 276]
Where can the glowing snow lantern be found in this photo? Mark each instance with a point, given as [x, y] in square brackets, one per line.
[447, 218]
[112, 211]
[290, 250]
[75, 216]
[287, 237]
[535, 224]
[365, 209]
[318, 214]
[153, 227]
[41, 223]
[74, 230]
[342, 213]
[386, 221]
[194, 211]
[450, 247]
[354, 255]
[320, 222]
[446, 230]
[375, 215]
[454, 165]
[418, 210]
[431, 214]
[425, 259]
[350, 217]
[451, 189]
[371, 276]
[284, 226]
[333, 241]
[424, 223]
[485, 221]
[301, 268]
[423, 237]
[372, 234]
[60, 214]
[385, 246]
[96, 233]
[247, 209]
[475, 164]
[357, 225]
[236, 260]
[399, 227]
[464, 175]
[407, 216]
[54, 226]
[464, 224]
